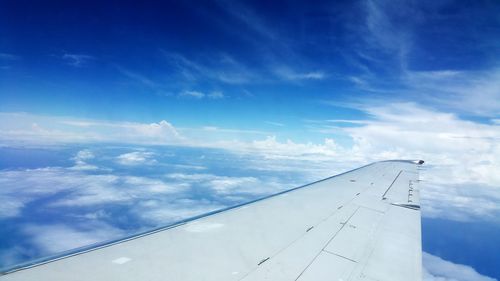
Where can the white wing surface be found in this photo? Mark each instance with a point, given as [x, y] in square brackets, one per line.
[360, 225]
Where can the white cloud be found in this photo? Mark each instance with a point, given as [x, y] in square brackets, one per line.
[476, 92]
[21, 187]
[192, 94]
[437, 269]
[81, 160]
[139, 78]
[50, 239]
[77, 188]
[462, 180]
[104, 189]
[463, 157]
[389, 36]
[165, 211]
[83, 155]
[162, 130]
[466, 150]
[77, 60]
[271, 148]
[16, 254]
[288, 74]
[461, 202]
[221, 68]
[225, 185]
[10, 208]
[249, 17]
[23, 128]
[189, 167]
[216, 95]
[136, 158]
[384, 31]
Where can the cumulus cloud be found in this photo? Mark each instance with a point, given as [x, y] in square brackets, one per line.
[460, 182]
[79, 189]
[50, 239]
[81, 159]
[226, 185]
[163, 211]
[161, 131]
[462, 156]
[23, 128]
[10, 208]
[104, 189]
[460, 202]
[406, 128]
[76, 188]
[437, 269]
[136, 158]
[270, 147]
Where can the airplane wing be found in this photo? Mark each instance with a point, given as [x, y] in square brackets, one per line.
[360, 225]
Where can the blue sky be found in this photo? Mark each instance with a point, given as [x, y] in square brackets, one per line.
[304, 90]
[220, 59]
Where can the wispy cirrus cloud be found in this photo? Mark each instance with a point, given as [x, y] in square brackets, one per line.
[388, 58]
[460, 91]
[77, 60]
[8, 57]
[192, 94]
[287, 73]
[469, 92]
[249, 18]
[221, 68]
[389, 26]
[201, 95]
[143, 80]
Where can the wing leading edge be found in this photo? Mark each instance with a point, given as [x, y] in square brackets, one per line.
[360, 225]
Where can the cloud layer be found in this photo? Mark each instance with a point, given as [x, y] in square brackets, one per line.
[437, 269]
[460, 182]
